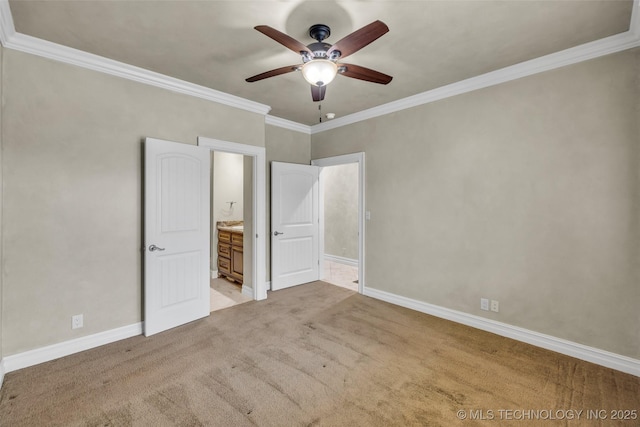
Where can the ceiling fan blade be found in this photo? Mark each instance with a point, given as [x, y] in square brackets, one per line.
[285, 40]
[359, 39]
[363, 73]
[317, 93]
[272, 73]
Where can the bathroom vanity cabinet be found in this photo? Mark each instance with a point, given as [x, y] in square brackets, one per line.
[230, 256]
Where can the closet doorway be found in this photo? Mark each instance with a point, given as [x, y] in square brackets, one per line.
[342, 220]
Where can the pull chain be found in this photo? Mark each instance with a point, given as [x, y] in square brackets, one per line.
[320, 111]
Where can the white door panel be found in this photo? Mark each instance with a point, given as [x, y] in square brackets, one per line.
[294, 224]
[177, 185]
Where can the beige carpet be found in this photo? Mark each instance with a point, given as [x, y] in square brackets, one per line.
[315, 354]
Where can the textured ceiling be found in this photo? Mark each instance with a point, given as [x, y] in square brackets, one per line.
[213, 43]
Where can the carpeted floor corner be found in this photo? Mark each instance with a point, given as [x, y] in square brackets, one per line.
[313, 355]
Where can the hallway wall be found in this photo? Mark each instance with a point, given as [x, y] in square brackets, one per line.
[341, 210]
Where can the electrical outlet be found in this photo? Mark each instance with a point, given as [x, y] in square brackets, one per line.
[484, 304]
[77, 321]
[495, 306]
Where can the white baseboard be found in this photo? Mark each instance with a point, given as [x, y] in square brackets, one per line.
[247, 290]
[579, 351]
[214, 274]
[1, 372]
[341, 260]
[55, 351]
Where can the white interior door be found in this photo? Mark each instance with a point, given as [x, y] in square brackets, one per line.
[295, 214]
[176, 234]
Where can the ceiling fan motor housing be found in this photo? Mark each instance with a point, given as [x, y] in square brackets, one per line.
[319, 49]
[319, 32]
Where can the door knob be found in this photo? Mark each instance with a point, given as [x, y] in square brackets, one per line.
[277, 233]
[154, 248]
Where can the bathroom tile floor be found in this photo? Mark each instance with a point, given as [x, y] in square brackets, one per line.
[226, 294]
[341, 275]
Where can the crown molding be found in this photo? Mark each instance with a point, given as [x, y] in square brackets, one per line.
[595, 49]
[608, 45]
[287, 124]
[46, 49]
[7, 30]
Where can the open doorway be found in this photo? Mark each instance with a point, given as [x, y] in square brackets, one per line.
[342, 231]
[253, 218]
[340, 200]
[227, 230]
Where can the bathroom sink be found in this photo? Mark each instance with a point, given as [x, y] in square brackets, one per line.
[239, 227]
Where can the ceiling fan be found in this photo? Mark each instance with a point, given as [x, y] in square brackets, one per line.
[320, 60]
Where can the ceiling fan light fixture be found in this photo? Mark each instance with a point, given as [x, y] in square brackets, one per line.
[319, 72]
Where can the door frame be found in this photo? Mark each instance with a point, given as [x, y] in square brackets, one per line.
[343, 160]
[258, 273]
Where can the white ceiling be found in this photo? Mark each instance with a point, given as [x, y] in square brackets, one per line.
[212, 43]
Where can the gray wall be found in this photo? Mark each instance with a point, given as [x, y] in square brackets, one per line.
[72, 147]
[1, 201]
[341, 210]
[526, 192]
[282, 145]
[228, 186]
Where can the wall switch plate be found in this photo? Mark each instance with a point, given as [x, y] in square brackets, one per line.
[484, 304]
[77, 321]
[495, 306]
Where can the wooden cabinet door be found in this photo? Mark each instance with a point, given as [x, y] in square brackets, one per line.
[237, 262]
[224, 266]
